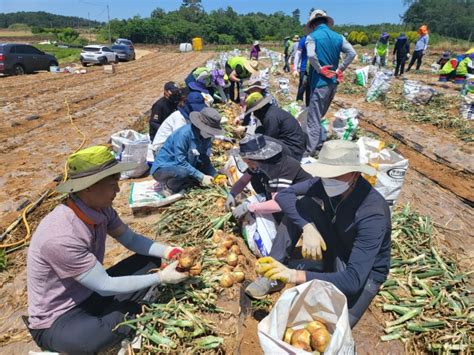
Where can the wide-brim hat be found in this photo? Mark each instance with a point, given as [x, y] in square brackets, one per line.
[259, 104]
[256, 147]
[318, 14]
[254, 84]
[336, 158]
[251, 66]
[208, 120]
[198, 86]
[93, 172]
[256, 43]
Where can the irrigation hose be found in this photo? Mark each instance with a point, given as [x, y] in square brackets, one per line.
[27, 208]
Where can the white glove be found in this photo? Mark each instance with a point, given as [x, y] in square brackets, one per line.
[313, 242]
[169, 275]
[207, 180]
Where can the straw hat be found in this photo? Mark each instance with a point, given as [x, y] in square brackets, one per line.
[251, 66]
[337, 158]
[90, 165]
[254, 83]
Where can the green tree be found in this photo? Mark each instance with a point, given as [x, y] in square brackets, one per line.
[68, 35]
[296, 15]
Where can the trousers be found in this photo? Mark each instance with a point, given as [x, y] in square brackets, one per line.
[87, 328]
[304, 89]
[417, 56]
[176, 178]
[287, 237]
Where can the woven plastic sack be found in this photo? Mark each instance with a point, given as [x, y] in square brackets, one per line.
[467, 107]
[379, 86]
[362, 76]
[417, 93]
[131, 146]
[345, 124]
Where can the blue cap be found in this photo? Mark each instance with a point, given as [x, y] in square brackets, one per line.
[195, 101]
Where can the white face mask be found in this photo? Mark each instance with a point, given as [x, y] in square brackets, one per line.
[335, 187]
[206, 135]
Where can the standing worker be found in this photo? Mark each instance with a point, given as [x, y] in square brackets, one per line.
[255, 50]
[300, 70]
[400, 51]
[324, 47]
[381, 50]
[420, 47]
[237, 69]
[293, 50]
[74, 304]
[286, 51]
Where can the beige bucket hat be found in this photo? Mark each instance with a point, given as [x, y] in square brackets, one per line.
[337, 158]
[251, 66]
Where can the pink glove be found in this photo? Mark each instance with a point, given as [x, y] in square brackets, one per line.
[339, 76]
[327, 72]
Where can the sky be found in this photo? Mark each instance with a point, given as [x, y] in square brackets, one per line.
[361, 12]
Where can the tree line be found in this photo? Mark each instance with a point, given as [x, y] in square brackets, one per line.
[42, 19]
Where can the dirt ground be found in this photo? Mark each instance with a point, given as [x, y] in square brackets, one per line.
[439, 183]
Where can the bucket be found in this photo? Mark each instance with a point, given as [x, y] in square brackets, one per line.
[197, 44]
[185, 47]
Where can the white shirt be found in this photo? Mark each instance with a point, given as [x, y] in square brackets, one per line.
[171, 124]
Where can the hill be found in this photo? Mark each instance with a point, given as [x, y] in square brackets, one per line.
[44, 19]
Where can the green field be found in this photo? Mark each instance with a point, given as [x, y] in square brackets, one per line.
[63, 55]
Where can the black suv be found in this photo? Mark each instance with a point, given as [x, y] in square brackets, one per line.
[19, 59]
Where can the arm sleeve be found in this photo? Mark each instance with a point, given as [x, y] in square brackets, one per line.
[97, 280]
[267, 207]
[349, 52]
[161, 135]
[181, 151]
[311, 52]
[240, 184]
[287, 198]
[297, 60]
[140, 244]
[369, 238]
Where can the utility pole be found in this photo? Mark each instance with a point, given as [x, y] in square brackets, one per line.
[108, 23]
[90, 30]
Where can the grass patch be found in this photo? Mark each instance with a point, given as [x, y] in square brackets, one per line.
[63, 55]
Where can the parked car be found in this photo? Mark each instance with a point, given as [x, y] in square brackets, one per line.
[18, 59]
[93, 54]
[124, 52]
[125, 42]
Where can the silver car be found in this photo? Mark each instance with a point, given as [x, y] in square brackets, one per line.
[124, 52]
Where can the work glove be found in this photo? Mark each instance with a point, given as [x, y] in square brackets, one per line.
[172, 253]
[274, 270]
[327, 72]
[313, 242]
[339, 75]
[241, 210]
[169, 275]
[229, 202]
[207, 180]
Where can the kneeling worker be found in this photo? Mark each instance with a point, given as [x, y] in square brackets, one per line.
[73, 302]
[340, 209]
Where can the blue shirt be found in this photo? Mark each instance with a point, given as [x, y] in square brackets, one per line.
[361, 232]
[422, 43]
[304, 54]
[186, 148]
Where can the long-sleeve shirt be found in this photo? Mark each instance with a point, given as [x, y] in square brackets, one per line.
[172, 123]
[422, 43]
[186, 148]
[401, 48]
[301, 56]
[360, 231]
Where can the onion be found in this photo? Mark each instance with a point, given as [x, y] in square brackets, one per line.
[221, 252]
[217, 236]
[320, 339]
[225, 269]
[314, 325]
[232, 259]
[188, 258]
[302, 338]
[235, 249]
[227, 280]
[220, 204]
[288, 333]
[228, 242]
[238, 276]
[242, 260]
[195, 269]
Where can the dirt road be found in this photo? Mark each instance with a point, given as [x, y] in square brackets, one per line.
[33, 149]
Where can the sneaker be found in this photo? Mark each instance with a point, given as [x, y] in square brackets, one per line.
[262, 287]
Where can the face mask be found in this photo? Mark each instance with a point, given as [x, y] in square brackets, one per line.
[206, 135]
[335, 187]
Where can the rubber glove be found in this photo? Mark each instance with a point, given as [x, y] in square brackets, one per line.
[207, 180]
[229, 202]
[313, 242]
[339, 76]
[327, 72]
[172, 253]
[169, 275]
[274, 270]
[241, 210]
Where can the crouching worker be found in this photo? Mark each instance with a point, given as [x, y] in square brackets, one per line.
[73, 302]
[183, 161]
[340, 210]
[270, 170]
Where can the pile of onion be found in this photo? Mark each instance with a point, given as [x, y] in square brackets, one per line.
[228, 250]
[190, 260]
[313, 337]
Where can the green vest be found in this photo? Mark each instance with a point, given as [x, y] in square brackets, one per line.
[462, 67]
[447, 68]
[381, 49]
[207, 75]
[234, 61]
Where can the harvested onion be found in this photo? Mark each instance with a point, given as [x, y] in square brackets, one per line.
[227, 242]
[242, 260]
[301, 345]
[195, 269]
[221, 252]
[320, 339]
[314, 325]
[217, 236]
[288, 333]
[301, 337]
[225, 269]
[238, 276]
[235, 249]
[232, 259]
[188, 258]
[227, 280]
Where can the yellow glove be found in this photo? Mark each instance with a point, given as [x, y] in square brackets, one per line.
[274, 270]
[313, 243]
